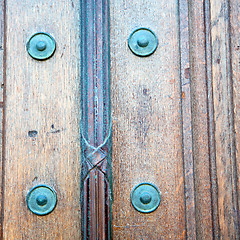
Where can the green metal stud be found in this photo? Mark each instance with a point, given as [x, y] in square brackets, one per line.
[41, 46]
[143, 42]
[41, 200]
[145, 197]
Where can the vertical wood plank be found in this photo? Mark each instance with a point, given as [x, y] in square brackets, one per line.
[187, 131]
[42, 96]
[235, 57]
[2, 28]
[224, 120]
[1, 49]
[211, 123]
[199, 101]
[146, 108]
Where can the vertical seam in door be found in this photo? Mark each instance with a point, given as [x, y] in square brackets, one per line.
[179, 37]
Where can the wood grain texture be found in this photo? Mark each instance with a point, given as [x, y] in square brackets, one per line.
[187, 130]
[1, 48]
[96, 193]
[44, 97]
[176, 118]
[1, 169]
[2, 73]
[235, 64]
[224, 120]
[211, 123]
[199, 101]
[146, 112]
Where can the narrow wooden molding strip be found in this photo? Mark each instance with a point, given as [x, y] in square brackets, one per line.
[187, 120]
[2, 77]
[96, 120]
[224, 118]
[211, 126]
[2, 26]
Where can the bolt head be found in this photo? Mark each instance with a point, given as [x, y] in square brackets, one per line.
[41, 200]
[145, 198]
[142, 41]
[41, 46]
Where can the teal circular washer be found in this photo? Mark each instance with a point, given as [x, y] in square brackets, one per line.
[41, 46]
[145, 197]
[143, 42]
[41, 200]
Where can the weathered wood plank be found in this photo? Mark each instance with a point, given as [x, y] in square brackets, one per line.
[235, 61]
[224, 120]
[1, 169]
[199, 101]
[1, 48]
[211, 123]
[187, 130]
[42, 96]
[146, 108]
[2, 16]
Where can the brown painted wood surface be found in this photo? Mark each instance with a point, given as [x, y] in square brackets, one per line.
[175, 117]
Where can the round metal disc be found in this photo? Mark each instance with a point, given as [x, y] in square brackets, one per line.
[41, 46]
[41, 200]
[145, 197]
[143, 42]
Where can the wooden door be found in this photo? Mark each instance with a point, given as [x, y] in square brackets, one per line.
[175, 118]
